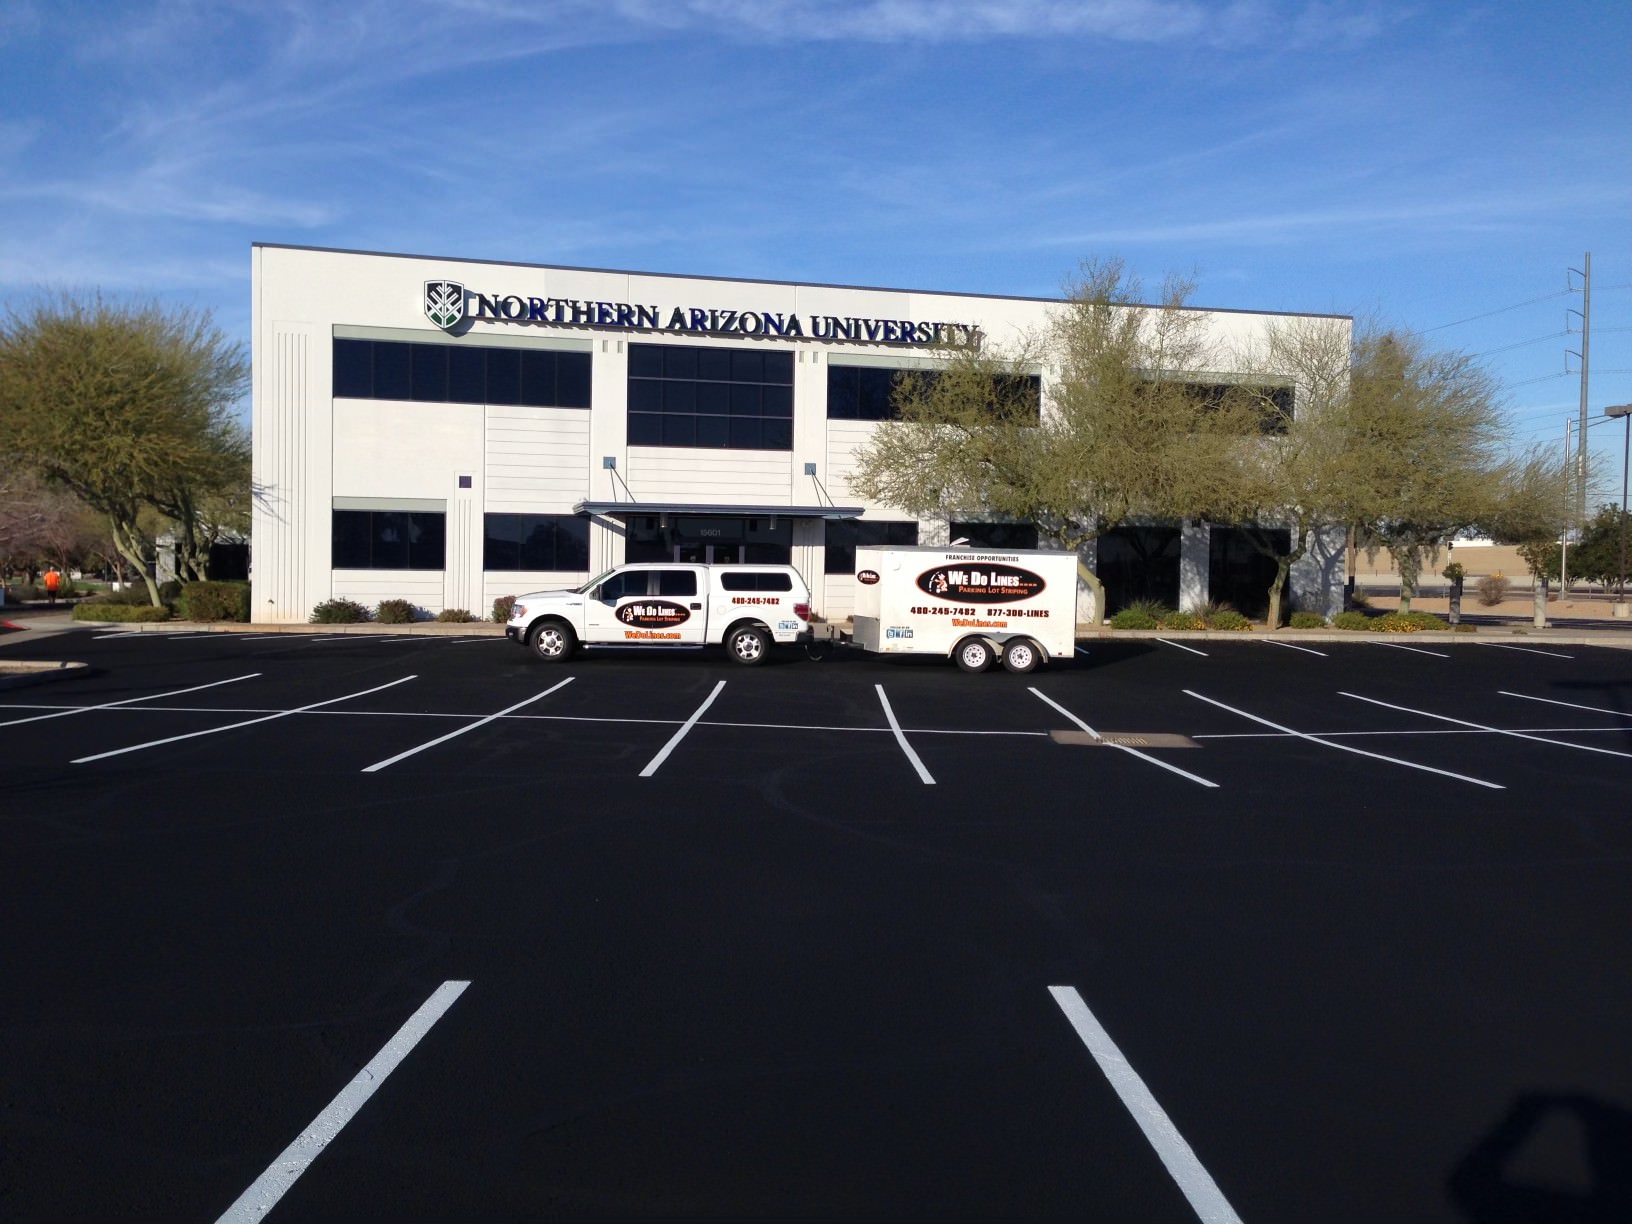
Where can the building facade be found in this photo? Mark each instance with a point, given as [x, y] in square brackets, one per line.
[452, 431]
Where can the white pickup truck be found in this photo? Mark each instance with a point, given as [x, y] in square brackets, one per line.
[744, 608]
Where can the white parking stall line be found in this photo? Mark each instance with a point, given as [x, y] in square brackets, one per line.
[674, 740]
[1187, 1172]
[1182, 646]
[1462, 722]
[1290, 646]
[288, 637]
[1551, 654]
[1196, 778]
[466, 641]
[264, 1193]
[171, 739]
[109, 705]
[901, 738]
[442, 739]
[1570, 704]
[1082, 650]
[1438, 654]
[123, 633]
[394, 639]
[1315, 739]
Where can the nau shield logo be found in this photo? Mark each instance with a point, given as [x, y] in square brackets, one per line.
[444, 302]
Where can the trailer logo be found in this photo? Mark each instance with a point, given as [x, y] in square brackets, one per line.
[867, 577]
[444, 303]
[990, 584]
[653, 614]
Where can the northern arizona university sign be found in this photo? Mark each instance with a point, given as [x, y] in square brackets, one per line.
[448, 303]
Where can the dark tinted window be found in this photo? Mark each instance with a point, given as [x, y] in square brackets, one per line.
[630, 582]
[430, 367]
[676, 582]
[844, 535]
[460, 374]
[704, 397]
[996, 535]
[750, 580]
[392, 374]
[354, 369]
[389, 539]
[867, 393]
[556, 542]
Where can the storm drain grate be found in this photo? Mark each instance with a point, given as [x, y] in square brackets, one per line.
[1124, 739]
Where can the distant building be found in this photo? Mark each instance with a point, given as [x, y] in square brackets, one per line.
[450, 431]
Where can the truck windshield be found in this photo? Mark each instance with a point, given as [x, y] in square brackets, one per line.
[592, 583]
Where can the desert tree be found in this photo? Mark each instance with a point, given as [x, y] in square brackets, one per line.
[123, 404]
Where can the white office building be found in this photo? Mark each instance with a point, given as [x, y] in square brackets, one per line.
[451, 431]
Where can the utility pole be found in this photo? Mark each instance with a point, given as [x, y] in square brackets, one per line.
[1564, 540]
[1585, 273]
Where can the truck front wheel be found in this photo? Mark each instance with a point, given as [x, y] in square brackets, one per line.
[551, 641]
[974, 654]
[747, 644]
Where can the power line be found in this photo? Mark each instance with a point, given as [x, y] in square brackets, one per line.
[1546, 297]
[1534, 340]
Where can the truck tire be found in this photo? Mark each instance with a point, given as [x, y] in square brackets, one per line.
[1021, 655]
[974, 654]
[748, 645]
[551, 641]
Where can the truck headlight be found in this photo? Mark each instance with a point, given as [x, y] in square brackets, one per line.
[517, 611]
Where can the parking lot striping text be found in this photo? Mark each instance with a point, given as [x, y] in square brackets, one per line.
[1569, 704]
[112, 704]
[1182, 646]
[1180, 1160]
[1438, 654]
[1551, 654]
[1290, 646]
[901, 738]
[655, 762]
[1462, 722]
[232, 726]
[1043, 697]
[482, 722]
[1315, 739]
[264, 1193]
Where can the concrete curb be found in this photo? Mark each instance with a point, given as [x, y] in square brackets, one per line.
[19, 673]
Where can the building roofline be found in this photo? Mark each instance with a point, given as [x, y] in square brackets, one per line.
[745, 280]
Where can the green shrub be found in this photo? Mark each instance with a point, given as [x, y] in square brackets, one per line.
[1406, 622]
[1359, 600]
[1229, 618]
[1133, 617]
[339, 612]
[454, 616]
[501, 608]
[107, 610]
[134, 594]
[214, 601]
[396, 612]
[170, 591]
[1351, 620]
[1180, 620]
[1308, 620]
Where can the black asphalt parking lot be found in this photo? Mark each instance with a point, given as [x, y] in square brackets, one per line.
[673, 938]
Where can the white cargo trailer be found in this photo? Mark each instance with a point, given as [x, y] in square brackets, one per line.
[974, 606]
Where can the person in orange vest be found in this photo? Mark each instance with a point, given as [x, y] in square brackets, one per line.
[53, 581]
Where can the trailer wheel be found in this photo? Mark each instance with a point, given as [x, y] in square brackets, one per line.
[747, 644]
[552, 641]
[1021, 656]
[974, 654]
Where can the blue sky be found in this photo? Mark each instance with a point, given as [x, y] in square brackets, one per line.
[1439, 165]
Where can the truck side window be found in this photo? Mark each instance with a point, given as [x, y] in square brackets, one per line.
[676, 582]
[630, 582]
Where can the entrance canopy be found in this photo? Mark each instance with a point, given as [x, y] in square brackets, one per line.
[722, 511]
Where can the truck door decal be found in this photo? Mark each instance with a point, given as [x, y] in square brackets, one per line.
[980, 583]
[653, 614]
[867, 577]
